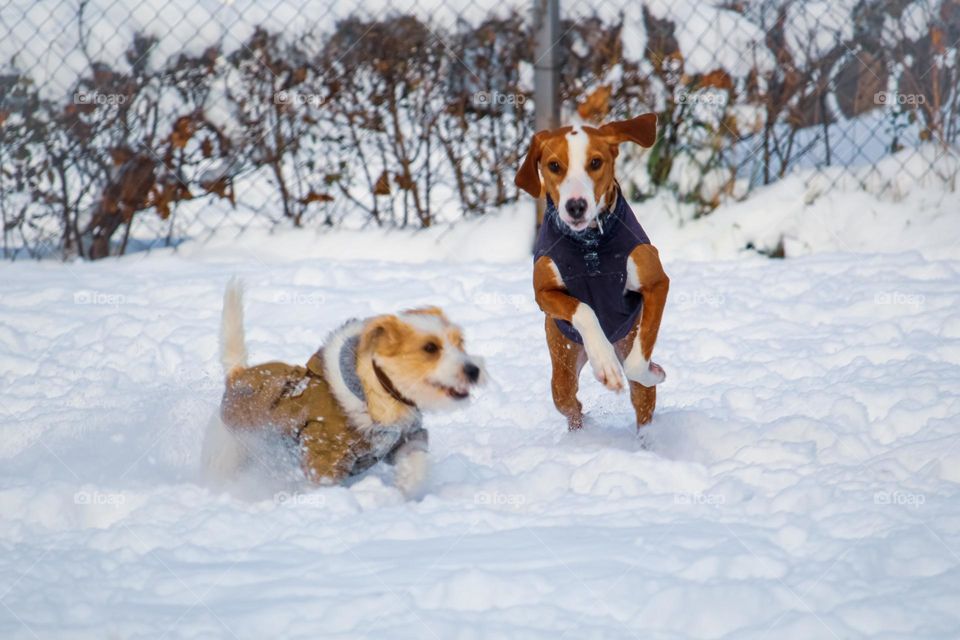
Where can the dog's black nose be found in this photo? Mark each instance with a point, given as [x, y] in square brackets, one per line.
[576, 207]
[472, 372]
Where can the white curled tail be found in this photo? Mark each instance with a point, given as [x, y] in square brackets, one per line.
[233, 350]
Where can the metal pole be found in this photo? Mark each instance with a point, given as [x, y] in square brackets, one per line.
[546, 70]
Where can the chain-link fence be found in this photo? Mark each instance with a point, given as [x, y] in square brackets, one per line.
[125, 126]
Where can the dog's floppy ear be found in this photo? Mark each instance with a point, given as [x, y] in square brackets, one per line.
[641, 130]
[383, 334]
[528, 177]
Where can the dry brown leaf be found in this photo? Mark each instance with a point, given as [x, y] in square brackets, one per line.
[119, 155]
[405, 181]
[382, 188]
[718, 78]
[183, 130]
[221, 187]
[313, 196]
[596, 106]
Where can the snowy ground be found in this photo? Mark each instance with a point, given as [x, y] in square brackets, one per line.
[801, 482]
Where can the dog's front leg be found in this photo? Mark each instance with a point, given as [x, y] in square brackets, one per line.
[411, 464]
[553, 299]
[645, 275]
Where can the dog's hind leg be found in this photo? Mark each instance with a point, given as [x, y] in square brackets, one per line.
[567, 359]
[642, 397]
[644, 400]
[222, 454]
[645, 274]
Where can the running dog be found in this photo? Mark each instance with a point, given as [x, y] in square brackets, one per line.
[358, 400]
[596, 276]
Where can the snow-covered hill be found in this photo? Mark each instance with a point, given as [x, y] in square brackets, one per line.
[802, 478]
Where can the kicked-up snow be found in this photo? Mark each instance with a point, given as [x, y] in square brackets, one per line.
[801, 477]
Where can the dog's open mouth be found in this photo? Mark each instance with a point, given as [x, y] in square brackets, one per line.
[457, 393]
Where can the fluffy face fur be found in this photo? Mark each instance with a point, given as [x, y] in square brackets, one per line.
[574, 165]
[422, 353]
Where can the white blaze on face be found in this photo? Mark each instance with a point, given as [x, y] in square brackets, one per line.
[577, 183]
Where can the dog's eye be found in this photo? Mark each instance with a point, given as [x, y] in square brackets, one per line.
[596, 163]
[431, 347]
[554, 166]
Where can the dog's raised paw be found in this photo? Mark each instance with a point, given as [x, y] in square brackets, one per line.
[648, 374]
[608, 372]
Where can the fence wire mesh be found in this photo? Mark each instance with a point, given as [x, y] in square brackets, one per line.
[126, 126]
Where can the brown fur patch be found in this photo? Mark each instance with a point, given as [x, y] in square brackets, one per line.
[654, 285]
[550, 294]
[528, 176]
[383, 335]
[567, 359]
[554, 164]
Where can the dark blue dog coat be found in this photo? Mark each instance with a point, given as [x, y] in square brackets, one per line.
[593, 265]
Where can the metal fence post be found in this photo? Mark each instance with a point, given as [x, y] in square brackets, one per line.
[546, 70]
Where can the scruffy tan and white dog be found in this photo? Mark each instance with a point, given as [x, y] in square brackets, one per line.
[357, 401]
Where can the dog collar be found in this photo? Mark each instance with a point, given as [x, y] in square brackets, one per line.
[387, 384]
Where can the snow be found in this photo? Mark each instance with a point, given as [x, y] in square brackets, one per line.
[801, 478]
[41, 38]
[906, 202]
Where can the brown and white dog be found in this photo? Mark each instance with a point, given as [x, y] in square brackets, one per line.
[357, 401]
[596, 276]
